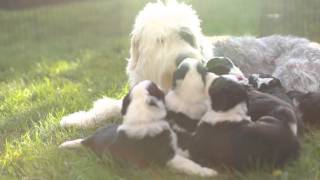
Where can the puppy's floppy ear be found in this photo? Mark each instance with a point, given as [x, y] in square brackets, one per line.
[179, 74]
[225, 94]
[154, 91]
[151, 101]
[125, 104]
[218, 66]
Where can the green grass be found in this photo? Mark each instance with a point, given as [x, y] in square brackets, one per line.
[58, 60]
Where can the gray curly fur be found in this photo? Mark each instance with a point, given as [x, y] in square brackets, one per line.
[295, 61]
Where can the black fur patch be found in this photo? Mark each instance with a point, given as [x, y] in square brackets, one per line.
[225, 94]
[219, 65]
[262, 104]
[180, 73]
[182, 120]
[183, 56]
[244, 145]
[142, 152]
[155, 91]
[102, 139]
[187, 124]
[202, 71]
[187, 36]
[274, 87]
[125, 104]
[309, 106]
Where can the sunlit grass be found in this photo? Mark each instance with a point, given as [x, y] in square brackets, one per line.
[58, 60]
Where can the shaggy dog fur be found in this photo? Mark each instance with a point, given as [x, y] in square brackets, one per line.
[163, 35]
[166, 33]
[295, 61]
[145, 137]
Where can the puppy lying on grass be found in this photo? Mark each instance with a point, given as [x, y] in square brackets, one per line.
[226, 136]
[144, 137]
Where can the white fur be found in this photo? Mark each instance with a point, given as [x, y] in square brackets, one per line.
[189, 96]
[71, 144]
[293, 127]
[189, 167]
[143, 129]
[294, 61]
[103, 109]
[261, 81]
[232, 77]
[155, 42]
[155, 45]
[174, 144]
[141, 119]
[236, 114]
[209, 79]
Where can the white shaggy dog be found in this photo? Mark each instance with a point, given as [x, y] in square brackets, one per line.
[166, 33]
[163, 35]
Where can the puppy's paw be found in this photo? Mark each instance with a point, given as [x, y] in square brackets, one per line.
[79, 119]
[207, 172]
[71, 144]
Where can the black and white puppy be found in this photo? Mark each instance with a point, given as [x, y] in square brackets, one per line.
[262, 104]
[269, 84]
[225, 67]
[226, 137]
[144, 137]
[186, 101]
[308, 105]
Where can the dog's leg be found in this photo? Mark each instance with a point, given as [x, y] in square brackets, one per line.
[71, 144]
[103, 109]
[189, 167]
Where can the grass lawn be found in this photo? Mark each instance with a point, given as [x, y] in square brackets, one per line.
[57, 60]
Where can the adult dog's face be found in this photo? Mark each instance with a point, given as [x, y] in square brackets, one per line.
[144, 101]
[162, 34]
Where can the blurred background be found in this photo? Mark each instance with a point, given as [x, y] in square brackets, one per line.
[32, 29]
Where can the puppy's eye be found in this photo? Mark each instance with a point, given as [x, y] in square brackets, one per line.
[152, 102]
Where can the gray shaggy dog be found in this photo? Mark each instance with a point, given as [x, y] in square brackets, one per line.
[295, 61]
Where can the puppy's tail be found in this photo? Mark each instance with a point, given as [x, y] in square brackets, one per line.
[71, 144]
